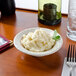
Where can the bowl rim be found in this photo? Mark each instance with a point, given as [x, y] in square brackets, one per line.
[38, 54]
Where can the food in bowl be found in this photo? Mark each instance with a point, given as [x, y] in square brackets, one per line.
[39, 40]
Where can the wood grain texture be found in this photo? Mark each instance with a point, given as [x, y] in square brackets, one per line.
[16, 63]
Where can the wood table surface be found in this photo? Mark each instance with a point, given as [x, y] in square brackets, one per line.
[15, 63]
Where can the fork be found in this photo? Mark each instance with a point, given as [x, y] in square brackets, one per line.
[71, 58]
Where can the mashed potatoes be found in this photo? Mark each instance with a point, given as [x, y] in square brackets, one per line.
[37, 41]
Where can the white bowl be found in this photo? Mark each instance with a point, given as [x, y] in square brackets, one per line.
[18, 45]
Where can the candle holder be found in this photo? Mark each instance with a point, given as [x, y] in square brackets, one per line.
[49, 12]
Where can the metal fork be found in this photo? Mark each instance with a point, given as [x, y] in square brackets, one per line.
[71, 58]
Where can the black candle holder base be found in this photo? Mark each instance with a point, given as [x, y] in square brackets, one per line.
[45, 22]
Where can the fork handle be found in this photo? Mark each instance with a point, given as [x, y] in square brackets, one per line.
[71, 71]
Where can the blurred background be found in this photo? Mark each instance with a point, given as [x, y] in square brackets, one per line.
[33, 5]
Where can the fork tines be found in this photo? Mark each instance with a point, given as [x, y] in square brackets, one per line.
[71, 55]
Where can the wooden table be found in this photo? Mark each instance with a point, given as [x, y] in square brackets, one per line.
[16, 63]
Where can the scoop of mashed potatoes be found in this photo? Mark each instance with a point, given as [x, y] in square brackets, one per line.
[37, 41]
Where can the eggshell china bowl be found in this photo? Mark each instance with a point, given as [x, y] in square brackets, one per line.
[18, 45]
